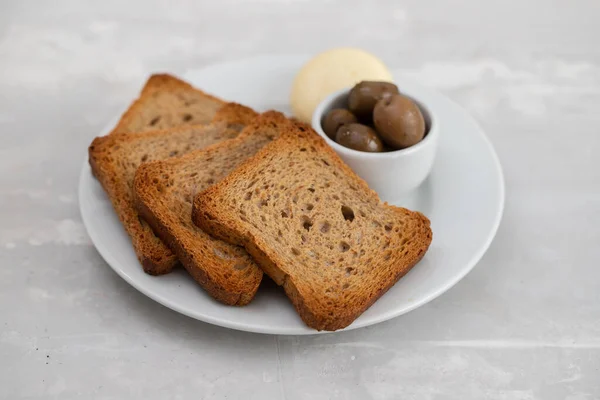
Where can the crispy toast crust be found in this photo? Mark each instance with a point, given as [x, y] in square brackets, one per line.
[114, 158]
[163, 191]
[335, 292]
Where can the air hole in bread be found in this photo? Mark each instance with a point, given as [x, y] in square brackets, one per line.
[329, 263]
[303, 238]
[240, 266]
[210, 181]
[279, 233]
[362, 213]
[248, 196]
[345, 286]
[325, 227]
[154, 121]
[335, 197]
[303, 149]
[155, 181]
[295, 251]
[375, 224]
[387, 255]
[284, 214]
[325, 162]
[388, 227]
[344, 246]
[306, 223]
[263, 218]
[173, 153]
[386, 244]
[295, 199]
[312, 190]
[221, 254]
[309, 207]
[187, 117]
[263, 203]
[252, 183]
[193, 174]
[144, 157]
[348, 213]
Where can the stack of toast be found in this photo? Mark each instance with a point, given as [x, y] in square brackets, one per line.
[233, 195]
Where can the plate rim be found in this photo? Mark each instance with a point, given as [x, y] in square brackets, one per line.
[114, 263]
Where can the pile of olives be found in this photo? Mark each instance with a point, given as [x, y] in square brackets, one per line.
[378, 119]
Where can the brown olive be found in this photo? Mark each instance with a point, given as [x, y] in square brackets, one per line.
[336, 118]
[399, 121]
[359, 137]
[364, 95]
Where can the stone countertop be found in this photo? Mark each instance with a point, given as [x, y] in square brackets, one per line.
[524, 324]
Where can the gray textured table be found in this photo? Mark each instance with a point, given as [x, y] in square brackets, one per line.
[524, 324]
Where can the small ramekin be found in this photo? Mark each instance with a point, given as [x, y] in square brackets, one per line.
[391, 174]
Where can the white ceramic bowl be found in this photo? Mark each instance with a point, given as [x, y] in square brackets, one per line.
[391, 174]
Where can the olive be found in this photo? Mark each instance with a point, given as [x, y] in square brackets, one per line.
[364, 95]
[399, 121]
[336, 118]
[359, 137]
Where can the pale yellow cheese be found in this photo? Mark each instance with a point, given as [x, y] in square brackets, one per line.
[329, 71]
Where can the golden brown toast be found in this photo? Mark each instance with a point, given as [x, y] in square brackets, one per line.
[314, 227]
[115, 158]
[166, 102]
[163, 192]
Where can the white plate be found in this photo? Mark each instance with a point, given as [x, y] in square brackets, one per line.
[463, 197]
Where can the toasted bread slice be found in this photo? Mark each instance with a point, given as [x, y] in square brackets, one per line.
[166, 102]
[314, 227]
[115, 158]
[163, 192]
